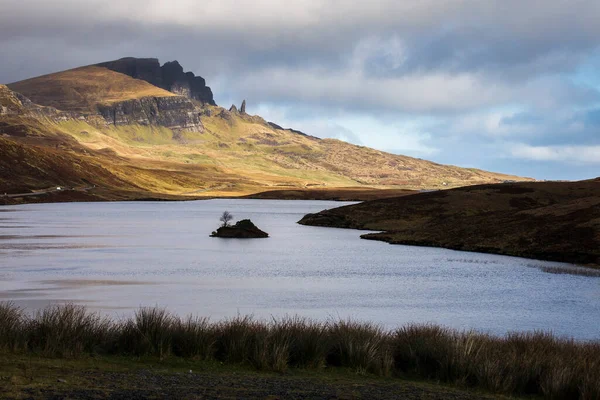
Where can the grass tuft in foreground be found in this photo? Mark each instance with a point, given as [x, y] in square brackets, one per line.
[517, 364]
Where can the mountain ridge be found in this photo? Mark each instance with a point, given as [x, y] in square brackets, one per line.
[173, 145]
[170, 76]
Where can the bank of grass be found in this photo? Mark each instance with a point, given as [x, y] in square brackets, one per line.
[516, 364]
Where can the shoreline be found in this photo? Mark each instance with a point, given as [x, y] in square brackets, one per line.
[329, 194]
[546, 221]
[380, 237]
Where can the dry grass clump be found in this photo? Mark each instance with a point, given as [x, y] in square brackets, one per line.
[12, 321]
[309, 341]
[363, 347]
[149, 332]
[535, 363]
[67, 331]
[193, 337]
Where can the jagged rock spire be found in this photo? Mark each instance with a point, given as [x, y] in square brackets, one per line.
[233, 108]
[170, 76]
[243, 107]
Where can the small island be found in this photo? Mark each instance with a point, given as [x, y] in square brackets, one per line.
[244, 229]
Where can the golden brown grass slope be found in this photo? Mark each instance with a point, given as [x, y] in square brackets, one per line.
[80, 89]
[544, 220]
[235, 154]
[39, 150]
[248, 145]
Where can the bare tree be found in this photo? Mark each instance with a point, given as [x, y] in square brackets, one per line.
[225, 218]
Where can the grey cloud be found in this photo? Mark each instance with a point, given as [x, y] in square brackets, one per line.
[304, 50]
[461, 62]
[416, 93]
[509, 37]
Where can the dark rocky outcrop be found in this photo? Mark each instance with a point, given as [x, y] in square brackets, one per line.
[329, 220]
[170, 77]
[172, 112]
[146, 69]
[280, 128]
[241, 110]
[244, 229]
[275, 126]
[185, 84]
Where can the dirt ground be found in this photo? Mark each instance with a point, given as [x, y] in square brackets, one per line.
[26, 378]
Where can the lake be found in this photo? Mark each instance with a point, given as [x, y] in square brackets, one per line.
[116, 257]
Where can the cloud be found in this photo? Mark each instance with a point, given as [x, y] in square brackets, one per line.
[351, 88]
[570, 154]
[458, 75]
[416, 93]
[507, 38]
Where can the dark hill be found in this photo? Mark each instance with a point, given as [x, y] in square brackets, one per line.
[557, 221]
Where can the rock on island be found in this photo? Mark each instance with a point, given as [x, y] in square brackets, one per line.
[243, 229]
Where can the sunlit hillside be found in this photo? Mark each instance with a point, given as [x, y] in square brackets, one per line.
[81, 89]
[226, 152]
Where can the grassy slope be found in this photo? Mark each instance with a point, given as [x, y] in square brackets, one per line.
[237, 154]
[545, 220]
[233, 158]
[37, 153]
[80, 89]
[246, 146]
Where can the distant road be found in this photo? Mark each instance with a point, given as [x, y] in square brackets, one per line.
[53, 189]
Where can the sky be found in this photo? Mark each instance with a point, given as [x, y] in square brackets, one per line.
[509, 85]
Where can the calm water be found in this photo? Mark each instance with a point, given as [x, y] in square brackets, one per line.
[115, 257]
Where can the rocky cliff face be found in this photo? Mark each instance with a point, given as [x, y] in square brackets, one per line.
[170, 77]
[9, 102]
[13, 103]
[176, 113]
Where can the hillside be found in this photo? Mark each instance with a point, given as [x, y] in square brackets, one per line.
[557, 221]
[339, 194]
[173, 144]
[81, 89]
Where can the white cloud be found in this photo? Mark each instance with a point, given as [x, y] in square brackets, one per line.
[569, 154]
[352, 89]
